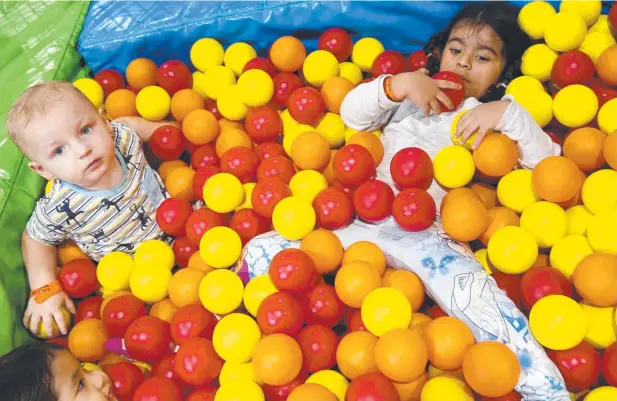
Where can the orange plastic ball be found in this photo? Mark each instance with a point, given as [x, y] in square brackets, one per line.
[355, 354]
[595, 279]
[310, 151]
[179, 183]
[354, 281]
[324, 248]
[486, 193]
[68, 250]
[401, 354]
[409, 284]
[584, 147]
[311, 392]
[496, 156]
[287, 54]
[140, 73]
[448, 339]
[371, 142]
[556, 179]
[610, 150]
[456, 194]
[121, 103]
[491, 369]
[334, 91]
[466, 219]
[366, 251]
[277, 359]
[200, 127]
[606, 65]
[184, 101]
[163, 309]
[230, 139]
[498, 217]
[87, 340]
[183, 286]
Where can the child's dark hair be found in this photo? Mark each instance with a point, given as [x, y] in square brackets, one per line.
[25, 373]
[500, 16]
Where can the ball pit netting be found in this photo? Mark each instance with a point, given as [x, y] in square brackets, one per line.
[68, 40]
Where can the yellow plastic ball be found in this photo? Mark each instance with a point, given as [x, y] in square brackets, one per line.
[606, 117]
[223, 192]
[578, 219]
[385, 309]
[206, 53]
[565, 32]
[92, 90]
[534, 17]
[216, 80]
[150, 283]
[589, 10]
[512, 250]
[230, 104]
[231, 372]
[575, 105]
[240, 390]
[446, 387]
[306, 184]
[482, 257]
[595, 43]
[256, 291]
[365, 51]
[605, 393]
[600, 332]
[537, 62]
[220, 247]
[154, 253]
[557, 322]
[199, 82]
[255, 87]
[602, 230]
[515, 190]
[294, 132]
[599, 190]
[546, 221]
[237, 55]
[114, 271]
[350, 71]
[524, 83]
[235, 336]
[332, 127]
[288, 121]
[293, 218]
[537, 103]
[333, 381]
[457, 141]
[453, 166]
[153, 103]
[567, 252]
[601, 25]
[55, 330]
[220, 291]
[319, 66]
[248, 192]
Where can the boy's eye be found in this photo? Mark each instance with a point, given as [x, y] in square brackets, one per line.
[58, 151]
[86, 130]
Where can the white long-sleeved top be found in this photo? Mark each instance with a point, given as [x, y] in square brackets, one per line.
[404, 125]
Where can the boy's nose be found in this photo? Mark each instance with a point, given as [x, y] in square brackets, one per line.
[100, 381]
[85, 152]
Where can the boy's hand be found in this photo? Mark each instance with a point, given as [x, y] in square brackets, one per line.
[47, 312]
[483, 119]
[423, 90]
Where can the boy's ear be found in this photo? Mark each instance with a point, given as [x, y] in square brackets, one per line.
[40, 170]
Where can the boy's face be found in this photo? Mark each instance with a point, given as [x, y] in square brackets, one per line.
[476, 54]
[71, 142]
[72, 383]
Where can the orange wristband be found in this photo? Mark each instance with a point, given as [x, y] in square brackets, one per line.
[45, 292]
[387, 87]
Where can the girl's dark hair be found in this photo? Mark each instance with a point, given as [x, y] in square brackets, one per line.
[500, 16]
[25, 373]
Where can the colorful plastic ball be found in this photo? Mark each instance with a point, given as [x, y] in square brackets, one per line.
[235, 336]
[578, 219]
[87, 340]
[277, 359]
[231, 372]
[319, 66]
[605, 393]
[306, 184]
[602, 230]
[365, 51]
[598, 190]
[546, 221]
[600, 326]
[223, 192]
[293, 217]
[512, 250]
[220, 247]
[385, 309]
[237, 55]
[350, 71]
[153, 103]
[534, 17]
[216, 80]
[230, 104]
[92, 90]
[537, 62]
[255, 88]
[588, 10]
[114, 271]
[150, 284]
[240, 390]
[220, 291]
[558, 322]
[333, 381]
[256, 291]
[206, 53]
[565, 32]
[568, 252]
[453, 166]
[515, 190]
[154, 253]
[606, 117]
[332, 127]
[596, 43]
[539, 104]
[575, 105]
[446, 387]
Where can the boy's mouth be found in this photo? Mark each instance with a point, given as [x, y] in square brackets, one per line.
[94, 164]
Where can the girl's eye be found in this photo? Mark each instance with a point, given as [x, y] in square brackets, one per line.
[81, 385]
[86, 130]
[482, 58]
[58, 151]
[455, 51]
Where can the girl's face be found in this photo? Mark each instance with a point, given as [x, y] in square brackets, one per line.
[72, 383]
[476, 54]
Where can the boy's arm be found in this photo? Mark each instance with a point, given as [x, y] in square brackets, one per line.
[534, 144]
[144, 128]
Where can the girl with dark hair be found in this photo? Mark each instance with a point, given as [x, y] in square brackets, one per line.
[48, 372]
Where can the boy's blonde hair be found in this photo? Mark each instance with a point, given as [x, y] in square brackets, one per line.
[35, 103]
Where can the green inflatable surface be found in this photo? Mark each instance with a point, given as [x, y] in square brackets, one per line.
[38, 43]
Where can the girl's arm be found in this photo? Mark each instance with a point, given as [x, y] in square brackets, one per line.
[534, 144]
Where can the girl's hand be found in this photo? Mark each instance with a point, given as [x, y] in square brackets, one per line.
[482, 119]
[423, 90]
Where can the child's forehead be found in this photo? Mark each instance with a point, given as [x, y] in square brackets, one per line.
[476, 35]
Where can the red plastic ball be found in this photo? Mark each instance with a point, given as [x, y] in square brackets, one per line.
[280, 393]
[333, 208]
[292, 270]
[147, 338]
[183, 249]
[372, 386]
[354, 321]
[373, 201]
[120, 312]
[240, 162]
[541, 281]
[322, 305]
[573, 67]
[267, 193]
[197, 363]
[171, 216]
[352, 165]
[192, 321]
[202, 393]
[280, 313]
[284, 84]
[158, 389]
[248, 224]
[318, 344]
[417, 60]
[165, 367]
[306, 105]
[200, 221]
[579, 366]
[510, 284]
[200, 178]
[89, 308]
[414, 209]
[278, 166]
[204, 155]
[388, 62]
[260, 63]
[110, 80]
[609, 364]
[267, 150]
[173, 76]
[455, 95]
[263, 124]
[213, 108]
[337, 41]
[78, 278]
[125, 377]
[412, 168]
[167, 142]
